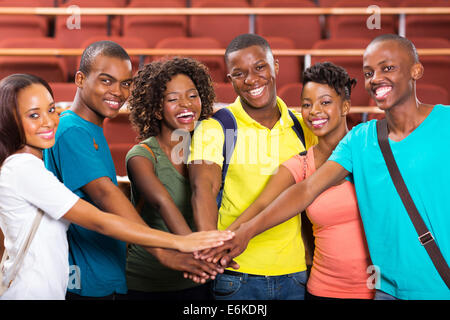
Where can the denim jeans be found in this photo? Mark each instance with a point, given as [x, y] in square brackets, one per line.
[381, 295]
[242, 286]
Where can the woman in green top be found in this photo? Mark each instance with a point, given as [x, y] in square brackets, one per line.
[168, 98]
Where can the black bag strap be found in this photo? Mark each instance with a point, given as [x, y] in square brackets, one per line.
[297, 128]
[425, 236]
[229, 126]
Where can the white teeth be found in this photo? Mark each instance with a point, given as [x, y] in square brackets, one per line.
[380, 92]
[113, 103]
[185, 114]
[318, 122]
[256, 92]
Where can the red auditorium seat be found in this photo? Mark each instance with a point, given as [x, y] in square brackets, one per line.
[63, 92]
[90, 26]
[155, 28]
[49, 68]
[290, 66]
[290, 94]
[222, 27]
[303, 30]
[215, 64]
[343, 26]
[225, 93]
[12, 26]
[352, 64]
[431, 93]
[427, 25]
[126, 43]
[257, 3]
[121, 137]
[437, 68]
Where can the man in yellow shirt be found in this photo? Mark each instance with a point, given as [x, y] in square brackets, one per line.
[273, 265]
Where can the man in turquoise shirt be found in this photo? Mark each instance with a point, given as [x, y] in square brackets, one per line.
[418, 135]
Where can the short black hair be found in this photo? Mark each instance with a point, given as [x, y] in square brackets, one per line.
[402, 41]
[104, 47]
[246, 40]
[334, 76]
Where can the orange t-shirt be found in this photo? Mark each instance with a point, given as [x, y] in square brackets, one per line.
[341, 256]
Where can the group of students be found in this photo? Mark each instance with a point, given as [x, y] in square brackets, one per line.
[178, 170]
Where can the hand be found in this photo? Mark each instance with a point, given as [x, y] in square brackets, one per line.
[197, 270]
[234, 248]
[202, 240]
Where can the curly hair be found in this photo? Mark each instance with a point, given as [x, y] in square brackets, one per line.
[149, 85]
[334, 76]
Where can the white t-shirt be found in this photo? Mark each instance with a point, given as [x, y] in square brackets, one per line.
[25, 185]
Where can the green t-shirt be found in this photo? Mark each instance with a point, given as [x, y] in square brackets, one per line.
[143, 270]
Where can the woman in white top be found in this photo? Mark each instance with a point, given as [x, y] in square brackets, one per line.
[28, 122]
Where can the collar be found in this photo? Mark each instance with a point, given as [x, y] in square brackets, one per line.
[284, 122]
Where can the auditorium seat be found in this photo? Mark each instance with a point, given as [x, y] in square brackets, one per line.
[290, 66]
[347, 26]
[427, 25]
[50, 68]
[155, 28]
[432, 94]
[303, 30]
[121, 137]
[215, 64]
[222, 27]
[64, 92]
[437, 68]
[290, 93]
[225, 93]
[72, 32]
[353, 65]
[126, 43]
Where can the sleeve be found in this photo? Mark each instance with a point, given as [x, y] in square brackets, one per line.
[77, 159]
[342, 154]
[38, 186]
[140, 151]
[207, 143]
[295, 166]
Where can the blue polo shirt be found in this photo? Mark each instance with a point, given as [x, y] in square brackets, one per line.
[406, 270]
[79, 156]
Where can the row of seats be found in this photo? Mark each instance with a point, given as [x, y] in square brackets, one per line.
[62, 69]
[222, 27]
[121, 136]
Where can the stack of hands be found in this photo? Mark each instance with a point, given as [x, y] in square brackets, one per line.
[206, 264]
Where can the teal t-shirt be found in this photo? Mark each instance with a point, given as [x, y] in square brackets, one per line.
[79, 156]
[406, 270]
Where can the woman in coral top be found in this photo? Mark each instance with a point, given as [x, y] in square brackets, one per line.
[341, 257]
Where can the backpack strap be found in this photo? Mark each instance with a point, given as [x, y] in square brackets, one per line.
[297, 128]
[229, 126]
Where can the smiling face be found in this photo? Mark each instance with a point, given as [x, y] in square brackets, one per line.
[253, 71]
[390, 73]
[105, 88]
[323, 109]
[181, 104]
[39, 119]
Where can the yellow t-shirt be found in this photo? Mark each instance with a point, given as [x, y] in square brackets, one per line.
[258, 153]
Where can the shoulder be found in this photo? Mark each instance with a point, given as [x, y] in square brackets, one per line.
[18, 161]
[142, 149]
